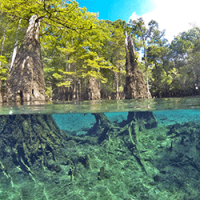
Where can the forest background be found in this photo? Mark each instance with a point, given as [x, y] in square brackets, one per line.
[76, 45]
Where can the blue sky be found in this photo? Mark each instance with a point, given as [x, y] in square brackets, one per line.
[117, 9]
[175, 16]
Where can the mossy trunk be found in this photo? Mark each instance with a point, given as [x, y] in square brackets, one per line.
[145, 119]
[93, 89]
[1, 99]
[26, 79]
[29, 138]
[135, 87]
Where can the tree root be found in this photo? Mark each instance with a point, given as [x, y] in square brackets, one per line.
[128, 131]
[29, 138]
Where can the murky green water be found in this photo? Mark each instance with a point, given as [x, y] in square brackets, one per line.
[131, 149]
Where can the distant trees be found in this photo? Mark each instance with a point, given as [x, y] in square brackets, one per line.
[172, 69]
[185, 57]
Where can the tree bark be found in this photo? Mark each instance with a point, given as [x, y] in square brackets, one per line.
[93, 90]
[1, 99]
[15, 47]
[135, 87]
[26, 80]
[146, 66]
[117, 85]
[2, 46]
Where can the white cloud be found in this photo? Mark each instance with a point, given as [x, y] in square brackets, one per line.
[175, 16]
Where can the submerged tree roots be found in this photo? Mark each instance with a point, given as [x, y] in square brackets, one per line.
[28, 138]
[125, 135]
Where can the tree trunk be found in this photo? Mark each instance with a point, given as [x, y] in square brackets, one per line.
[146, 66]
[2, 46]
[117, 85]
[26, 80]
[15, 47]
[135, 87]
[93, 90]
[74, 95]
[1, 99]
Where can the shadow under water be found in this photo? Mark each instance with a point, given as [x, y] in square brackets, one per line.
[134, 155]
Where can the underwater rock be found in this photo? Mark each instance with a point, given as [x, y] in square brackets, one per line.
[103, 174]
[53, 166]
[85, 161]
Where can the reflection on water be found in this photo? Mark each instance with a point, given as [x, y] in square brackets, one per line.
[101, 106]
[74, 151]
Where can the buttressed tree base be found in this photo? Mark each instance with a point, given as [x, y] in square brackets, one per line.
[135, 87]
[26, 79]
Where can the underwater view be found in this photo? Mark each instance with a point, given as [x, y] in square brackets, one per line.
[145, 153]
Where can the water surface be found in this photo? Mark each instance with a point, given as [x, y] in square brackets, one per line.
[102, 106]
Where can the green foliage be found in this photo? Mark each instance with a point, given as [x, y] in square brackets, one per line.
[66, 84]
[49, 92]
[3, 60]
[185, 51]
[3, 69]
[75, 45]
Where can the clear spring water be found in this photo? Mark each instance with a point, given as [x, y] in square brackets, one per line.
[114, 159]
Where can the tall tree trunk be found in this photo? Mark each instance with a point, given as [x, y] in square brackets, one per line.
[93, 89]
[26, 80]
[2, 46]
[74, 95]
[1, 99]
[146, 66]
[117, 84]
[15, 47]
[135, 87]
